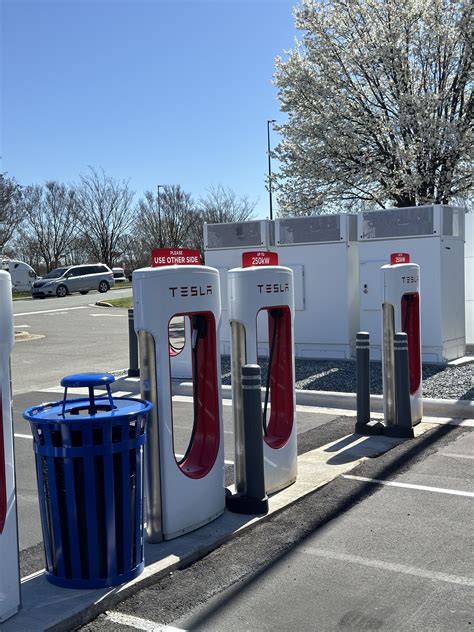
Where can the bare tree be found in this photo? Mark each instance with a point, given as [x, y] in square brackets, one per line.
[104, 214]
[24, 246]
[379, 102]
[220, 205]
[179, 216]
[10, 208]
[136, 252]
[166, 219]
[50, 220]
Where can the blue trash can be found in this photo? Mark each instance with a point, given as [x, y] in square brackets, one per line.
[89, 466]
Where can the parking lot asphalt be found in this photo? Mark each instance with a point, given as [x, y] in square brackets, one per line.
[388, 546]
[72, 300]
[70, 335]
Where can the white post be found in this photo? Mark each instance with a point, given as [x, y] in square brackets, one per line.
[9, 568]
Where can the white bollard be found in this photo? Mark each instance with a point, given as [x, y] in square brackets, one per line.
[9, 562]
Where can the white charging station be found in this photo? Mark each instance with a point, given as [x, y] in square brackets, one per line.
[9, 563]
[322, 252]
[434, 238]
[224, 245]
[183, 491]
[253, 290]
[401, 307]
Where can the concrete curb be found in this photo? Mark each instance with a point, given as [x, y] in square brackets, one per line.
[328, 399]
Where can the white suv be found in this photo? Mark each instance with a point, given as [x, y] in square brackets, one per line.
[63, 281]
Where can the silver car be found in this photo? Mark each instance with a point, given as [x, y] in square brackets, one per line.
[63, 281]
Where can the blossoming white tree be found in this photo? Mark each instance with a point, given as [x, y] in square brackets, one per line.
[379, 102]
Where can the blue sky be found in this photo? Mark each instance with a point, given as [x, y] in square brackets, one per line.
[155, 91]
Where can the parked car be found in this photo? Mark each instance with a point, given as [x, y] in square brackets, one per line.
[83, 279]
[119, 275]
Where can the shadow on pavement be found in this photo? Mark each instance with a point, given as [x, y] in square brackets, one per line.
[399, 463]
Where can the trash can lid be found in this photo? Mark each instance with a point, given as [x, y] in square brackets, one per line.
[75, 411]
[78, 380]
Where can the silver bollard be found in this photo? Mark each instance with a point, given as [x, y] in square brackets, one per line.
[253, 500]
[364, 425]
[404, 424]
[133, 368]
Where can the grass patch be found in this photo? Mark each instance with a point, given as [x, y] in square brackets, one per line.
[122, 286]
[18, 296]
[125, 303]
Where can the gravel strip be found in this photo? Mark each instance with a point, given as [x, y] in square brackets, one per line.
[439, 381]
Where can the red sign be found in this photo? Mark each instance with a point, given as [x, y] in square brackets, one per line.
[399, 257]
[263, 258]
[175, 257]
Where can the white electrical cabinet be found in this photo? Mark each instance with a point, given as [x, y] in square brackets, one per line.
[469, 273]
[322, 252]
[224, 245]
[433, 236]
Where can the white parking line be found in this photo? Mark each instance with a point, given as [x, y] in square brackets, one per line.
[138, 623]
[71, 391]
[456, 456]
[32, 576]
[85, 391]
[388, 566]
[423, 488]
[22, 436]
[299, 409]
[52, 311]
[345, 412]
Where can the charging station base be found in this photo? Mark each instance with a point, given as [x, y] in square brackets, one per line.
[399, 432]
[242, 504]
[370, 428]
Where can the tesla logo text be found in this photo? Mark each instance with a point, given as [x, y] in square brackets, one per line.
[191, 290]
[273, 288]
[409, 279]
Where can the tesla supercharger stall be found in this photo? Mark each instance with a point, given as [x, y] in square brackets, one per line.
[224, 247]
[434, 237]
[180, 347]
[254, 290]
[9, 569]
[183, 490]
[401, 313]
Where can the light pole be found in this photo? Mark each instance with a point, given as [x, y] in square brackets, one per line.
[159, 186]
[270, 166]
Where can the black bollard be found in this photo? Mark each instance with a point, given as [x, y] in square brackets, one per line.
[404, 424]
[133, 370]
[254, 499]
[363, 424]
